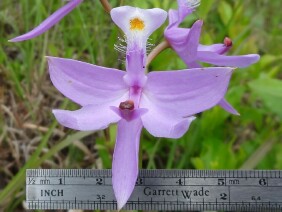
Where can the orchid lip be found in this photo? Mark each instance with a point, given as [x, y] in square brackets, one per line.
[137, 24]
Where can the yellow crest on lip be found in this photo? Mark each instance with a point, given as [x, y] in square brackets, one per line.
[137, 24]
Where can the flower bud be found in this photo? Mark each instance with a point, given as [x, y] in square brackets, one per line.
[227, 42]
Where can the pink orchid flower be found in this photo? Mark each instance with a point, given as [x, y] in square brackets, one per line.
[185, 42]
[49, 22]
[162, 102]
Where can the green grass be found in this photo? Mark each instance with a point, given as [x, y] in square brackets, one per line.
[31, 138]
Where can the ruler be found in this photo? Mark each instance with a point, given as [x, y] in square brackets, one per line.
[171, 190]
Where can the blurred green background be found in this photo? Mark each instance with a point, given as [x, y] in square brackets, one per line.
[30, 137]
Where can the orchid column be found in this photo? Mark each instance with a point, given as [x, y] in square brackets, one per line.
[137, 25]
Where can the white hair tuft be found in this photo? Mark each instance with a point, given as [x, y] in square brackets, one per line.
[193, 3]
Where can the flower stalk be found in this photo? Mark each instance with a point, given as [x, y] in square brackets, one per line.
[156, 51]
[107, 6]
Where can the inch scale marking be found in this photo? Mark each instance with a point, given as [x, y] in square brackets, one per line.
[189, 190]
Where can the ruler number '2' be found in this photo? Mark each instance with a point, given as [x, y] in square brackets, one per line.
[223, 196]
[99, 181]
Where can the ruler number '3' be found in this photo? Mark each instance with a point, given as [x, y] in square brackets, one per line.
[100, 197]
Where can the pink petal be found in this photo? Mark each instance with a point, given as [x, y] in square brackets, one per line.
[185, 8]
[85, 83]
[89, 117]
[228, 107]
[216, 48]
[49, 22]
[129, 115]
[125, 160]
[177, 37]
[187, 92]
[162, 122]
[222, 60]
[193, 64]
[186, 43]
[172, 17]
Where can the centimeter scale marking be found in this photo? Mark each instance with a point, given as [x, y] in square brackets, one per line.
[173, 190]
